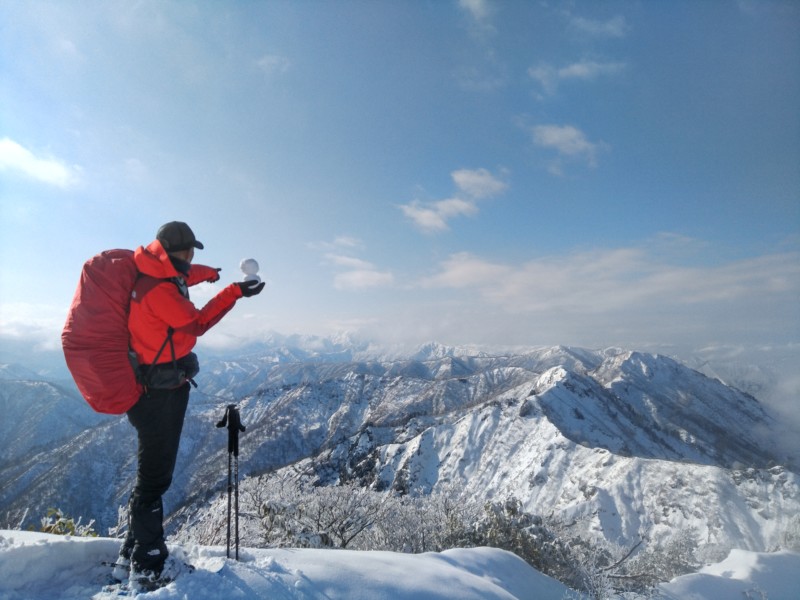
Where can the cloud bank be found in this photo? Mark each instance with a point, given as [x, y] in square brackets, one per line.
[472, 187]
[624, 295]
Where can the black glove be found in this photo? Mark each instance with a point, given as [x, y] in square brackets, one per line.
[250, 288]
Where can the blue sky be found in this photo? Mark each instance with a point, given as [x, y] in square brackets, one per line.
[475, 171]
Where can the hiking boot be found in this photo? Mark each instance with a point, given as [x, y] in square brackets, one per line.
[148, 580]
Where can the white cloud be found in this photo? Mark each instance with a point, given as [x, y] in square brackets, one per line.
[475, 185]
[354, 273]
[549, 76]
[16, 158]
[615, 27]
[478, 183]
[433, 217]
[454, 207]
[425, 218]
[587, 69]
[569, 142]
[565, 139]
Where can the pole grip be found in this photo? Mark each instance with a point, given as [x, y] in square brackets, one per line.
[233, 421]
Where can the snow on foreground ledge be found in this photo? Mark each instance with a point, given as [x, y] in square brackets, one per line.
[39, 566]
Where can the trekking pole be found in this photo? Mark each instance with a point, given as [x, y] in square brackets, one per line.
[234, 423]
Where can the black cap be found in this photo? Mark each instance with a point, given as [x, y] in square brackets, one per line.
[176, 236]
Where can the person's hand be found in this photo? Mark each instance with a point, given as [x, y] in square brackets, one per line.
[214, 276]
[250, 288]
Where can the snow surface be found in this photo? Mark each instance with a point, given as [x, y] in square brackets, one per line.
[39, 566]
[743, 574]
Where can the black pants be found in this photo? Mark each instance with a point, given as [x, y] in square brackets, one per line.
[158, 419]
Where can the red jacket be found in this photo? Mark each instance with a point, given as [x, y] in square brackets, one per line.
[158, 305]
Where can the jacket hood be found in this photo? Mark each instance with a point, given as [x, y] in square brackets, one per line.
[153, 260]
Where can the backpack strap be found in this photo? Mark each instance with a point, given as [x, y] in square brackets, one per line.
[158, 355]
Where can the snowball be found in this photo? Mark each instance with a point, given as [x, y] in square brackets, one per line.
[249, 266]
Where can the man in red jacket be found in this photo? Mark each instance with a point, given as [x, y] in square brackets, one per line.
[164, 326]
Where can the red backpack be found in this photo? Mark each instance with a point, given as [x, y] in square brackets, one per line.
[95, 338]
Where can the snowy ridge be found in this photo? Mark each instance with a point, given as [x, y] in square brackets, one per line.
[510, 448]
[640, 405]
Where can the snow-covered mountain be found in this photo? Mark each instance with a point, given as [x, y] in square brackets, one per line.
[37, 415]
[624, 443]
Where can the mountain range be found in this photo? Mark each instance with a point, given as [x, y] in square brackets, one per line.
[622, 444]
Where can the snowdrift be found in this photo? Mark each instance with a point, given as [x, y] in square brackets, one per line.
[39, 566]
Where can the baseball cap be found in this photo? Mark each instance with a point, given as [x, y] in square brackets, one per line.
[176, 236]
